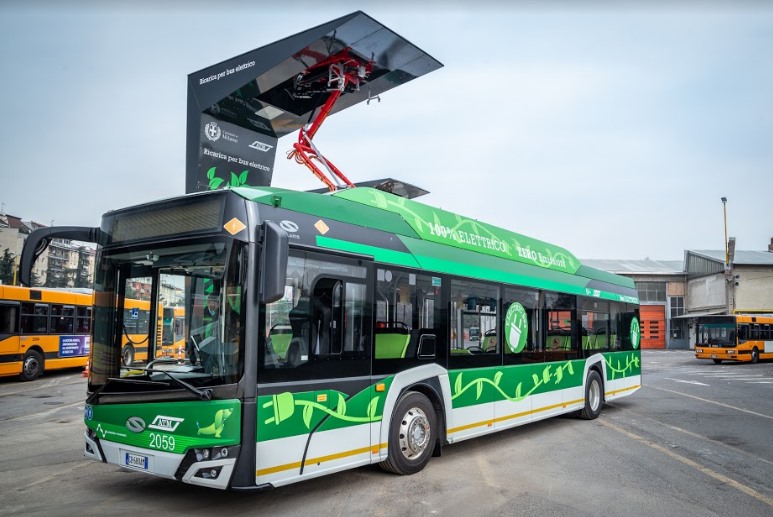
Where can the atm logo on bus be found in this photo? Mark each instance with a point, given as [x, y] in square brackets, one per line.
[166, 423]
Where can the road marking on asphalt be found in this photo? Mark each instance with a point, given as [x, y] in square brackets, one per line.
[687, 382]
[40, 414]
[690, 463]
[712, 402]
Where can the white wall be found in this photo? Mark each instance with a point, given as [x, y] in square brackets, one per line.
[706, 292]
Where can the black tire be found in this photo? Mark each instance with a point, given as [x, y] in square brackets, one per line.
[755, 355]
[32, 367]
[127, 355]
[594, 396]
[717, 361]
[412, 435]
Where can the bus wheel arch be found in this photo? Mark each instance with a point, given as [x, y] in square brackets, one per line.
[127, 354]
[33, 365]
[413, 433]
[755, 355]
[594, 395]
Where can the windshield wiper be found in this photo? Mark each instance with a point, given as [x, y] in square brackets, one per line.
[94, 397]
[202, 394]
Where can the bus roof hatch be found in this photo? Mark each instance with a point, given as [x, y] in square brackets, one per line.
[239, 108]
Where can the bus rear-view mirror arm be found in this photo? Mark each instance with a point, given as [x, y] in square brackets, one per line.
[38, 241]
[273, 262]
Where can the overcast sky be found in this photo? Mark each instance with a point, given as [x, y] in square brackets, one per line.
[611, 132]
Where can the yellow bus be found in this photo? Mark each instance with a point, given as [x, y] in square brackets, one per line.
[173, 334]
[43, 329]
[738, 337]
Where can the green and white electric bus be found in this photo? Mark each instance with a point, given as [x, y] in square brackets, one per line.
[326, 332]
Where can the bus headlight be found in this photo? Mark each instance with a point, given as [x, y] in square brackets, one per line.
[698, 350]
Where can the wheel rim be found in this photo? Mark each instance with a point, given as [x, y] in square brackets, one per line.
[594, 395]
[128, 357]
[414, 433]
[31, 366]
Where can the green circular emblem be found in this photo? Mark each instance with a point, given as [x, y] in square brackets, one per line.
[516, 327]
[635, 333]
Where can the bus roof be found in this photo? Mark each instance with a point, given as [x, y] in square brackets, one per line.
[438, 240]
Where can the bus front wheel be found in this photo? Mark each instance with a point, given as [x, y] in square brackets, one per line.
[594, 396]
[32, 367]
[412, 435]
[127, 355]
[755, 355]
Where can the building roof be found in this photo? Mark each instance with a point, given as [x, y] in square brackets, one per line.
[638, 267]
[741, 258]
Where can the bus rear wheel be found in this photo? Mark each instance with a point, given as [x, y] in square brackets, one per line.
[412, 435]
[594, 396]
[755, 355]
[32, 367]
[127, 355]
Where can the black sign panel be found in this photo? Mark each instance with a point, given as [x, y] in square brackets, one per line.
[231, 155]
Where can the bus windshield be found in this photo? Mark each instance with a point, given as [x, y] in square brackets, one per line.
[716, 332]
[140, 291]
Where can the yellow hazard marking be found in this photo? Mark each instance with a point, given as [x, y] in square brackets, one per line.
[234, 226]
[321, 227]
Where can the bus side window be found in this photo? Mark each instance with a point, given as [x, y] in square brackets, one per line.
[34, 318]
[743, 333]
[9, 319]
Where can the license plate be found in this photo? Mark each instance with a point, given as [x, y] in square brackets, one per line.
[137, 461]
[713, 356]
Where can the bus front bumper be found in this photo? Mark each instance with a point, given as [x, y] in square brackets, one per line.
[723, 354]
[215, 473]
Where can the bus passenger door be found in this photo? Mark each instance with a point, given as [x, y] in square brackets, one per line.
[314, 387]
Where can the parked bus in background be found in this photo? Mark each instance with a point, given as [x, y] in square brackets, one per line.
[173, 333]
[43, 329]
[738, 337]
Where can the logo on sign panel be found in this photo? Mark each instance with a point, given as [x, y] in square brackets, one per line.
[260, 146]
[212, 131]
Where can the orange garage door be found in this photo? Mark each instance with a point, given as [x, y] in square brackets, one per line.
[653, 326]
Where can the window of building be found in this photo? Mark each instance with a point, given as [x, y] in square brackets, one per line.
[677, 306]
[651, 291]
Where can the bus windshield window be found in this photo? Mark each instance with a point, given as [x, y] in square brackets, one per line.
[716, 334]
[176, 309]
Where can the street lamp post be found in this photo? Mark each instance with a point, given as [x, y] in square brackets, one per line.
[724, 211]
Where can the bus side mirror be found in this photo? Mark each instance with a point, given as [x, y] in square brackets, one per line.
[273, 262]
[38, 240]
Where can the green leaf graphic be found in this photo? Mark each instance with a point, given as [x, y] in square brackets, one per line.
[211, 173]
[372, 408]
[234, 180]
[341, 405]
[458, 384]
[243, 177]
[215, 183]
[307, 412]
